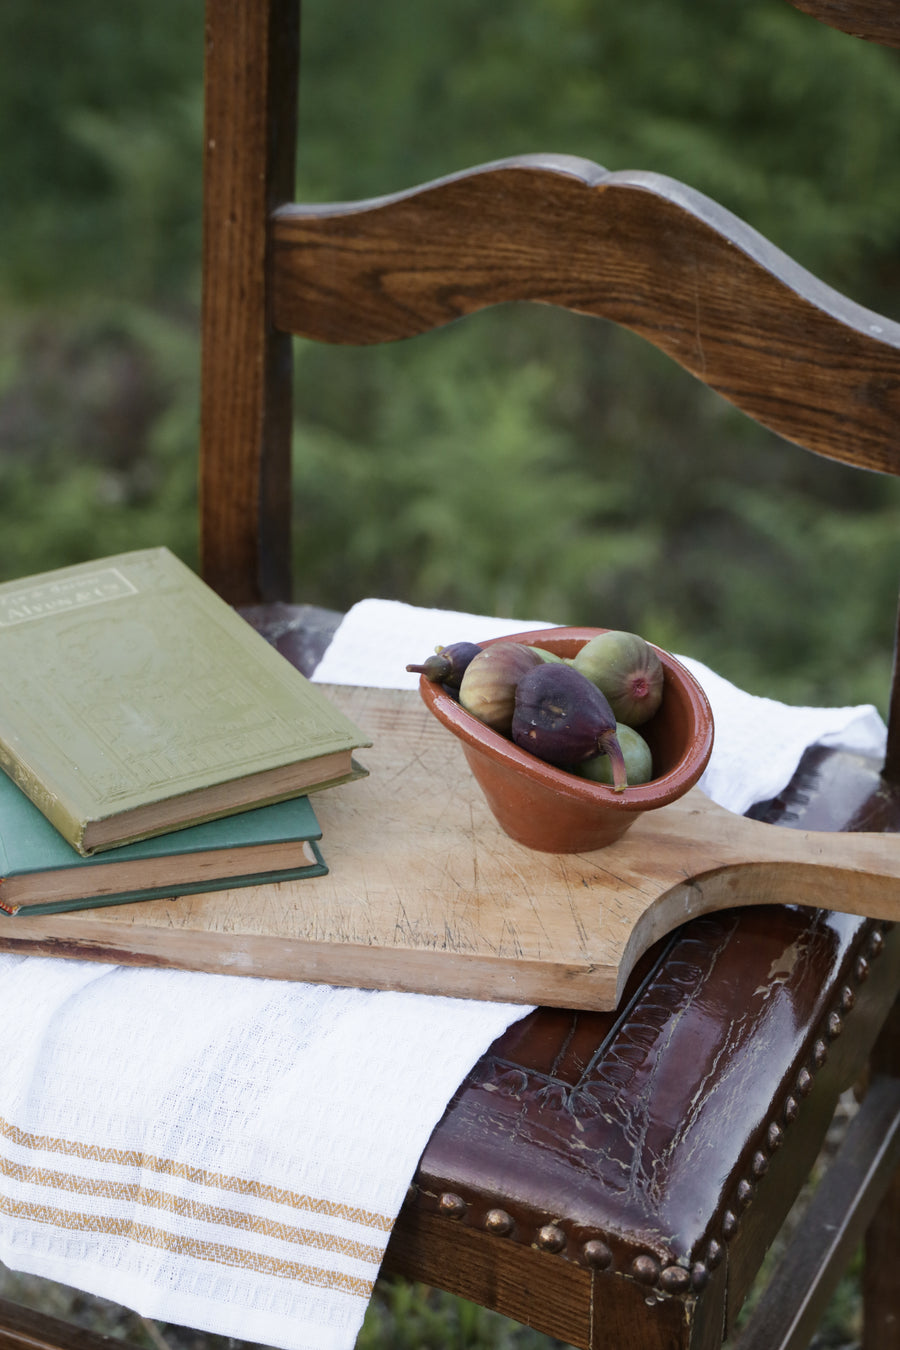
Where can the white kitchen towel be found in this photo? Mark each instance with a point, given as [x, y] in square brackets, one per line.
[378, 639]
[759, 742]
[230, 1153]
[222, 1153]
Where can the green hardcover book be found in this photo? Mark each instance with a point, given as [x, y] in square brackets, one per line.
[134, 701]
[41, 874]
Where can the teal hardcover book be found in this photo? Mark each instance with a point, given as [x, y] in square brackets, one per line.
[40, 873]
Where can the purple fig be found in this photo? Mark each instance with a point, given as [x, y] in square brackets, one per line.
[488, 687]
[563, 718]
[627, 670]
[448, 665]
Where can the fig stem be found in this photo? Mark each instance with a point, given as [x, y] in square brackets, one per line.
[436, 668]
[608, 743]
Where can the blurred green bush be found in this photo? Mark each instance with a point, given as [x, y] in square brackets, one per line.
[526, 462]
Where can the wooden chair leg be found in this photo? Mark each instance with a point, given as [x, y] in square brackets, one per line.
[857, 1200]
[834, 1224]
[880, 1285]
[22, 1328]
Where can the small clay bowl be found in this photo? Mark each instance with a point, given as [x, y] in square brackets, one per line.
[555, 811]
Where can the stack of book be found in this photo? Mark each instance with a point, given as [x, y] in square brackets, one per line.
[153, 743]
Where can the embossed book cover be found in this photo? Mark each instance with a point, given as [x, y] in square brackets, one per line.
[135, 701]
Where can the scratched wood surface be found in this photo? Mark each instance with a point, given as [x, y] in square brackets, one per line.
[426, 893]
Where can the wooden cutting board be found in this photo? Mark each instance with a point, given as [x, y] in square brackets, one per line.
[426, 893]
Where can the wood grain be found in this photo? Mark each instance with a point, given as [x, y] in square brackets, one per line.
[426, 893]
[24, 1328]
[639, 249]
[873, 20]
[495, 1274]
[249, 149]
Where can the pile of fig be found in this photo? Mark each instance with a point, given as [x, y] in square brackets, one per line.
[580, 714]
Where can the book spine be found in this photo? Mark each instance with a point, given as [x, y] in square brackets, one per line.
[50, 805]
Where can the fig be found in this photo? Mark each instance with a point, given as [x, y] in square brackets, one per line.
[488, 686]
[563, 718]
[636, 753]
[627, 670]
[547, 656]
[448, 665]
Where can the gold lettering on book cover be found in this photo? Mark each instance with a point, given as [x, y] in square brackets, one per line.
[56, 597]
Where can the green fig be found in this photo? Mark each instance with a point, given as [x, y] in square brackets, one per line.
[636, 753]
[627, 670]
[488, 686]
[545, 655]
[561, 717]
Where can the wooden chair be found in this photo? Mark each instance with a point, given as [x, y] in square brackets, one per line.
[612, 1179]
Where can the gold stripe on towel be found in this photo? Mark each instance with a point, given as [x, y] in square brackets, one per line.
[198, 1176]
[134, 1194]
[185, 1246]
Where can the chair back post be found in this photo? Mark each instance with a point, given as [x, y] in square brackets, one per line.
[251, 75]
[890, 771]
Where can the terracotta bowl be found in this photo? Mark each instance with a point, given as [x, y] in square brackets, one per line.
[556, 811]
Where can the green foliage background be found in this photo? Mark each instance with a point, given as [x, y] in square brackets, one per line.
[525, 462]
